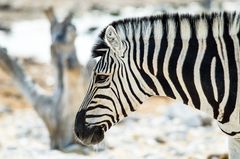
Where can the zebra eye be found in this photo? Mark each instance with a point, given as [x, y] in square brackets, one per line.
[101, 78]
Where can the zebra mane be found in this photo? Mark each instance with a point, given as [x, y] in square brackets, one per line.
[156, 26]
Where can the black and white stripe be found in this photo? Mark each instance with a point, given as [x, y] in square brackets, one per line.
[192, 58]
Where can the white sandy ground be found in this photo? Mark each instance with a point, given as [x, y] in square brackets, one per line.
[167, 133]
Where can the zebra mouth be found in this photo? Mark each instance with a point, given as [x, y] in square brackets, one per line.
[87, 135]
[92, 136]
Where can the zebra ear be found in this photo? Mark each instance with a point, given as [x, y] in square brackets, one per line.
[113, 40]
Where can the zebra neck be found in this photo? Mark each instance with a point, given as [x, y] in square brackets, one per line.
[202, 72]
[189, 58]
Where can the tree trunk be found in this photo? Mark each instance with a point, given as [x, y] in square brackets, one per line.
[58, 109]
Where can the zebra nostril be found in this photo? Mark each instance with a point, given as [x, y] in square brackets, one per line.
[104, 127]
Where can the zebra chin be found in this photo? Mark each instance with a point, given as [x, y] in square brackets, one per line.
[87, 135]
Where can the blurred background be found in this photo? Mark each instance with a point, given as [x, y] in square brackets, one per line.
[47, 44]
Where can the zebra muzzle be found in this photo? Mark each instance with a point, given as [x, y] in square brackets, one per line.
[87, 135]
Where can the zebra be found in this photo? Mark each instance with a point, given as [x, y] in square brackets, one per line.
[190, 58]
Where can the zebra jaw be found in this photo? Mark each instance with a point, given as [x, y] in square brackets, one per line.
[85, 134]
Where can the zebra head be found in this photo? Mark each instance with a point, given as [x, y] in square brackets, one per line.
[113, 90]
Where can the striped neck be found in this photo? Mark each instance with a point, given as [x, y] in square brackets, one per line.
[191, 59]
